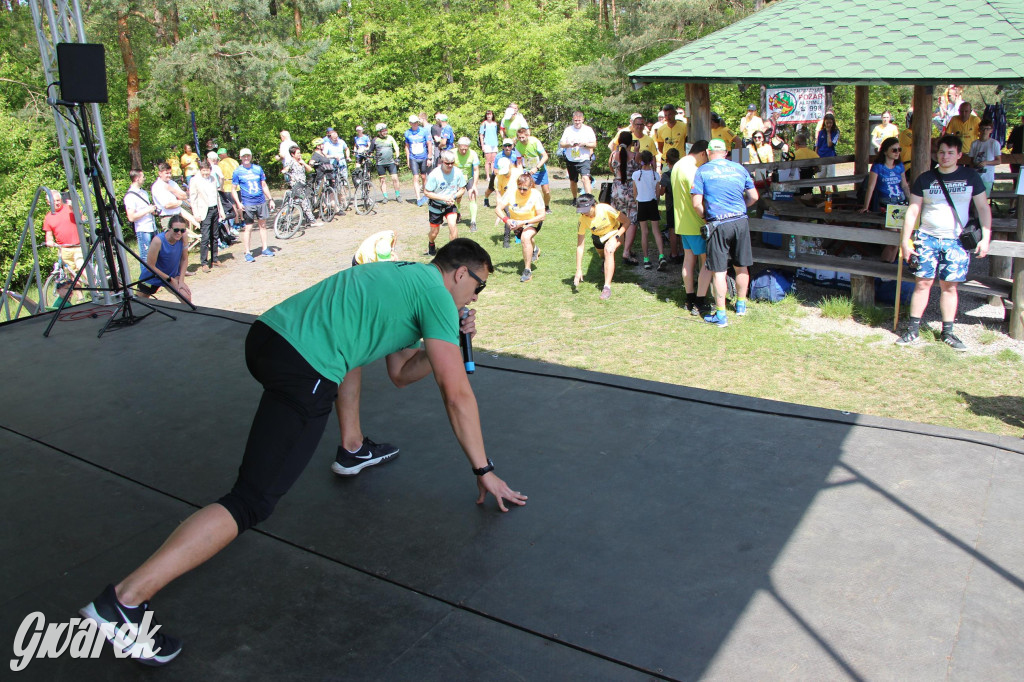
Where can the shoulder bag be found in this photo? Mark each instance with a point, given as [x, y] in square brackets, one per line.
[970, 234]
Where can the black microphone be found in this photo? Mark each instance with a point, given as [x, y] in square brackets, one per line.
[466, 343]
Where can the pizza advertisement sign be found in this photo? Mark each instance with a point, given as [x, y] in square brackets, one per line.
[796, 105]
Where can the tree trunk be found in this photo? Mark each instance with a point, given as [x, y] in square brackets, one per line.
[175, 20]
[615, 18]
[132, 75]
[297, 15]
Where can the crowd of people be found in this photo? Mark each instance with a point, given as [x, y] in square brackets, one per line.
[216, 199]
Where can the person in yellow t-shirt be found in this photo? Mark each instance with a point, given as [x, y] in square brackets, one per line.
[801, 152]
[377, 247]
[189, 163]
[640, 136]
[522, 210]
[760, 151]
[883, 131]
[721, 132]
[173, 162]
[906, 139]
[964, 126]
[672, 134]
[606, 225]
[688, 221]
[227, 167]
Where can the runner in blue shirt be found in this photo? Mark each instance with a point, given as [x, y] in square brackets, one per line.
[250, 182]
[418, 150]
[721, 192]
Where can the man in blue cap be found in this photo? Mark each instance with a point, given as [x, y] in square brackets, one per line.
[722, 191]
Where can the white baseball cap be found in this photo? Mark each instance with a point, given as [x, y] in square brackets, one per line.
[245, 151]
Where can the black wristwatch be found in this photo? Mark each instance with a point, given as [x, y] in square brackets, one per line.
[483, 470]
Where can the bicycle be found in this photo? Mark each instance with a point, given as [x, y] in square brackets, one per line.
[60, 277]
[290, 218]
[363, 187]
[325, 200]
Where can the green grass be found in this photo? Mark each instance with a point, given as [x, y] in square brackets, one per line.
[836, 307]
[765, 354]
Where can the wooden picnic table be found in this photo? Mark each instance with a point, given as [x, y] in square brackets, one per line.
[793, 209]
[864, 271]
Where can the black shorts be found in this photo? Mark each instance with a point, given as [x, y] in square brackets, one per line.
[598, 244]
[518, 232]
[149, 289]
[387, 169]
[439, 210]
[727, 239]
[577, 168]
[647, 210]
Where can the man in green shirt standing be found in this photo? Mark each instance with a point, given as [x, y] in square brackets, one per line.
[307, 351]
[468, 161]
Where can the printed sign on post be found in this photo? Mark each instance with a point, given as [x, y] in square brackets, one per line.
[796, 105]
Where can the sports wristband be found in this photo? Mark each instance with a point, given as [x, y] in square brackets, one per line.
[483, 470]
[504, 219]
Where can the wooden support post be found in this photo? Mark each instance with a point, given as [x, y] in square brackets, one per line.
[921, 158]
[698, 96]
[862, 130]
[862, 290]
[1017, 295]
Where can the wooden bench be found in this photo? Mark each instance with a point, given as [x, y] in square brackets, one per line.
[820, 182]
[863, 272]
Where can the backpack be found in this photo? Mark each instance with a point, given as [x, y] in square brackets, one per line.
[771, 286]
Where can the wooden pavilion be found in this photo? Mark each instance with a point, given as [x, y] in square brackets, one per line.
[922, 43]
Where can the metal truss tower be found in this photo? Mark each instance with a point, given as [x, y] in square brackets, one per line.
[60, 21]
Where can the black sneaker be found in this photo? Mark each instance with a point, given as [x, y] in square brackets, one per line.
[647, 264]
[370, 453]
[573, 203]
[111, 616]
[662, 264]
[953, 342]
[431, 249]
[909, 339]
[487, 202]
[507, 238]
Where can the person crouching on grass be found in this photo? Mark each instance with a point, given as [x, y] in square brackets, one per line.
[522, 210]
[606, 226]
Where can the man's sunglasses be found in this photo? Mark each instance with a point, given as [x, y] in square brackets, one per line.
[481, 285]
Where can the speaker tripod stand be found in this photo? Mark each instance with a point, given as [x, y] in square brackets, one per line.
[106, 239]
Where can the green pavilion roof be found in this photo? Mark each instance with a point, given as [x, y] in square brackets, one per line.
[859, 42]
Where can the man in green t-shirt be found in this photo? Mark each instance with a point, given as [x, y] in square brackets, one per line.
[534, 160]
[301, 350]
[468, 161]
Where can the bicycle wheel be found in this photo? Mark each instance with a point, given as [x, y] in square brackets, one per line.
[344, 197]
[287, 221]
[364, 199]
[328, 204]
[50, 291]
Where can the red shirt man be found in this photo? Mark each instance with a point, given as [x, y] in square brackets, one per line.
[59, 226]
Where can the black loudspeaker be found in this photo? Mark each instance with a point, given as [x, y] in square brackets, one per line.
[83, 72]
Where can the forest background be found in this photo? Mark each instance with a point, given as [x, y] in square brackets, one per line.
[249, 69]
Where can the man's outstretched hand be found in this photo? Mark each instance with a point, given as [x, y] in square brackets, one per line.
[490, 483]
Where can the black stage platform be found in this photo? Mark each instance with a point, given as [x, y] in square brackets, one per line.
[670, 533]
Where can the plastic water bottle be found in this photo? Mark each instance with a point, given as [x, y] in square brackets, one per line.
[828, 199]
[792, 246]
